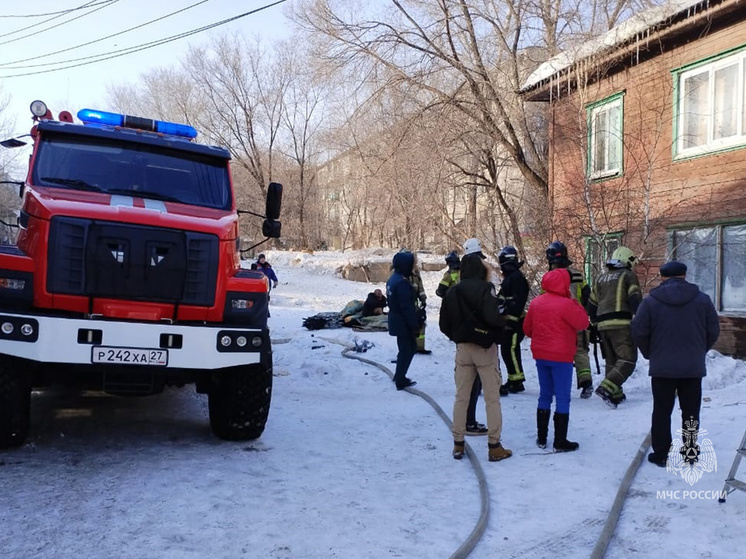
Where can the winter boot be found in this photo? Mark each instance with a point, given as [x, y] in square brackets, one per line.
[561, 444]
[542, 427]
[497, 452]
[512, 387]
[458, 450]
[611, 393]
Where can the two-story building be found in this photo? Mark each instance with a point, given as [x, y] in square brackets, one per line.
[648, 148]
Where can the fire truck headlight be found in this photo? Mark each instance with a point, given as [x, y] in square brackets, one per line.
[7, 328]
[256, 341]
[241, 341]
[27, 329]
[225, 341]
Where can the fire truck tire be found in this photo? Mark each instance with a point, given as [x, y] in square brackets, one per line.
[239, 402]
[15, 407]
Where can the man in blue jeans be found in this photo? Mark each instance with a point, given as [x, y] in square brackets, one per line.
[674, 328]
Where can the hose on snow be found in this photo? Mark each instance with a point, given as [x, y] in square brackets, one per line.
[602, 544]
[477, 532]
[465, 549]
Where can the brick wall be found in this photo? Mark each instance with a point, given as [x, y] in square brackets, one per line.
[655, 192]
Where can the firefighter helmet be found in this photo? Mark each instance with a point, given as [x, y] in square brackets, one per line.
[473, 246]
[557, 253]
[507, 254]
[622, 256]
[452, 259]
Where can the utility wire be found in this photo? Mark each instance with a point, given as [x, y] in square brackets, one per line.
[9, 67]
[89, 4]
[144, 46]
[112, 2]
[62, 12]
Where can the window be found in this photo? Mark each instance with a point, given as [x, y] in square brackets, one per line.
[598, 251]
[711, 106]
[605, 138]
[716, 261]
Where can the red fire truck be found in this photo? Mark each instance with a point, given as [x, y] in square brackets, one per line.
[126, 277]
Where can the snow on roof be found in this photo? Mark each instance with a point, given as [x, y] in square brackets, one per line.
[633, 27]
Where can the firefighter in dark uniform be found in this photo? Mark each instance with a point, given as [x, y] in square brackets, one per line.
[580, 291]
[513, 295]
[451, 276]
[613, 302]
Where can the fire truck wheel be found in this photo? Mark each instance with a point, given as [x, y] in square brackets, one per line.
[239, 402]
[15, 406]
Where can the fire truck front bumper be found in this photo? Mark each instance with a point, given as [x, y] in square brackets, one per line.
[111, 342]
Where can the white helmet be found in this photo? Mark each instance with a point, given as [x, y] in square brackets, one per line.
[473, 246]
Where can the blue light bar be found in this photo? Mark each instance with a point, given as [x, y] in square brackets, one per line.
[90, 116]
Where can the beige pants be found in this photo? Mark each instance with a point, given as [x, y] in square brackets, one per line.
[473, 360]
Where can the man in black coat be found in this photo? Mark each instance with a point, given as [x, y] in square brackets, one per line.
[469, 316]
[403, 322]
[675, 326]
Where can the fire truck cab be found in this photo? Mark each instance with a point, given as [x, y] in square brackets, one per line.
[126, 276]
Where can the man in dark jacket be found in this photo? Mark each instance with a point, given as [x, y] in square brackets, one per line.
[403, 322]
[470, 317]
[674, 328]
[451, 278]
[513, 295]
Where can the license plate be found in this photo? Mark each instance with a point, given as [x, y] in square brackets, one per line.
[130, 356]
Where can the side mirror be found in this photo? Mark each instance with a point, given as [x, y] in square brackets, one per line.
[271, 228]
[274, 201]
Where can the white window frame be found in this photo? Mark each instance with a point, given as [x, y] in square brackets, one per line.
[711, 144]
[718, 259]
[614, 142]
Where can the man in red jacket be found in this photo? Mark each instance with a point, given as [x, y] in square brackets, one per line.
[552, 322]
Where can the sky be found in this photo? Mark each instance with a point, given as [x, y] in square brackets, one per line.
[349, 468]
[85, 86]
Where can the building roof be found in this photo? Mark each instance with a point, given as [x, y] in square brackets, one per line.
[634, 29]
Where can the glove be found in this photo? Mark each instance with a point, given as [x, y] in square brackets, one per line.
[274, 285]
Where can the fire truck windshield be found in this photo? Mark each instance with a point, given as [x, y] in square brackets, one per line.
[132, 169]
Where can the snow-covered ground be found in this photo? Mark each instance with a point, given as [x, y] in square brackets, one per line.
[349, 467]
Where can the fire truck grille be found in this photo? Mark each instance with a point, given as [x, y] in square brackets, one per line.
[115, 260]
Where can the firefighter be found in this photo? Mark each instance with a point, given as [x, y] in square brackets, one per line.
[421, 304]
[513, 295]
[451, 276]
[580, 291]
[612, 304]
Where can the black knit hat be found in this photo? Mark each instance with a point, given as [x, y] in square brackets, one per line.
[673, 269]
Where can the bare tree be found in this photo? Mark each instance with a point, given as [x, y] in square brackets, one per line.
[465, 59]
